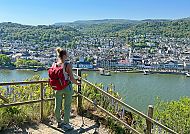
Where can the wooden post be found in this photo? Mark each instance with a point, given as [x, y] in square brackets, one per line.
[42, 101]
[79, 98]
[150, 114]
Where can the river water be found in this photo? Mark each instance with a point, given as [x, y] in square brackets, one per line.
[137, 90]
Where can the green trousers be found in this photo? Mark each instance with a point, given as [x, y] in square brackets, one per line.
[67, 92]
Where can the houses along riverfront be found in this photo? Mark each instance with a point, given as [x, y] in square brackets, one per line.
[142, 51]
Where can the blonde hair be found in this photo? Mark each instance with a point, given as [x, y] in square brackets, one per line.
[60, 52]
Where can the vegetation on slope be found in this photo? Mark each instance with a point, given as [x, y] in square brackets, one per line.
[67, 32]
[37, 34]
[176, 28]
[109, 27]
[174, 114]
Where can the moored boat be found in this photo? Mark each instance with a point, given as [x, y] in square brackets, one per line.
[188, 74]
[107, 73]
[104, 72]
[146, 72]
[101, 71]
[39, 69]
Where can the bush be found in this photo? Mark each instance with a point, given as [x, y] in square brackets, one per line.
[174, 114]
[17, 115]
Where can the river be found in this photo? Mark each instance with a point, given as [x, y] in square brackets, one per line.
[137, 90]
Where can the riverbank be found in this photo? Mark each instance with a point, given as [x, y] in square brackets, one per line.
[7, 67]
[151, 72]
[181, 72]
[36, 69]
[155, 72]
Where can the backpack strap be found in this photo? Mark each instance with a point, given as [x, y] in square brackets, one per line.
[66, 64]
[54, 64]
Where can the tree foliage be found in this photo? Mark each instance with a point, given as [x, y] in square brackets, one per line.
[176, 28]
[27, 63]
[37, 34]
[4, 60]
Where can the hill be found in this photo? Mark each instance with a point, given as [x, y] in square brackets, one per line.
[92, 22]
[37, 34]
[170, 28]
[109, 27]
[100, 27]
[67, 32]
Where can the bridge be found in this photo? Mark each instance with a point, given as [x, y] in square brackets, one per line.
[115, 109]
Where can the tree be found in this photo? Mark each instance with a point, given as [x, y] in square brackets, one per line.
[27, 63]
[4, 60]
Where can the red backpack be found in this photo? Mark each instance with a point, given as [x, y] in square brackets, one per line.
[56, 77]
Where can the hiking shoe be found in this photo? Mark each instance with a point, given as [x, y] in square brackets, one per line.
[67, 127]
[59, 124]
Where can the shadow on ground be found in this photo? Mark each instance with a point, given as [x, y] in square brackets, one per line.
[23, 129]
[47, 127]
[80, 130]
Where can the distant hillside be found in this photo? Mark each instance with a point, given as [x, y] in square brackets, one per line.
[156, 20]
[37, 34]
[100, 27]
[171, 28]
[92, 22]
[108, 27]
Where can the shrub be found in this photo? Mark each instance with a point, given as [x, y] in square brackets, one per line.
[174, 114]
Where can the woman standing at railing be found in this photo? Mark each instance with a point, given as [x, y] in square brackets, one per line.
[67, 91]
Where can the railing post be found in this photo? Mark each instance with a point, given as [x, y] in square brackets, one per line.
[42, 101]
[79, 98]
[148, 123]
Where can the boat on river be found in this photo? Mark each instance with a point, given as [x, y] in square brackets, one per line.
[107, 73]
[101, 70]
[188, 74]
[39, 69]
[104, 72]
[146, 72]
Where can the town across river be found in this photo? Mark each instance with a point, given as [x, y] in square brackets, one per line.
[137, 90]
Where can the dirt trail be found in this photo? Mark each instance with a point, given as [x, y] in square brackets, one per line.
[50, 128]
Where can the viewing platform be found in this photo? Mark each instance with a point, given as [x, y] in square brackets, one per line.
[99, 109]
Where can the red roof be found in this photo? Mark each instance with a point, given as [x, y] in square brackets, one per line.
[123, 61]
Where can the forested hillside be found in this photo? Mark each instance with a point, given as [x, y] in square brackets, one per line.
[171, 28]
[68, 31]
[176, 28]
[37, 34]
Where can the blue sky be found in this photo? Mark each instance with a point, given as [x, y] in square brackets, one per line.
[36, 12]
